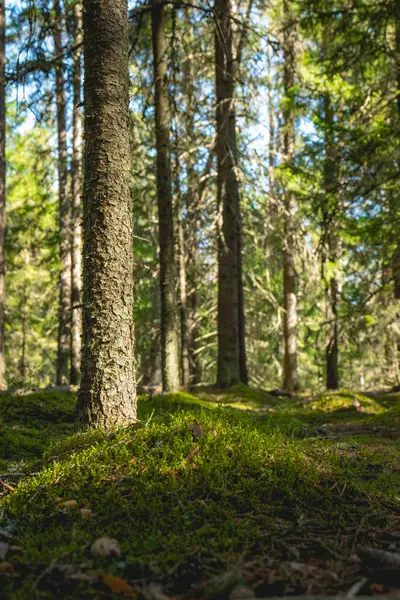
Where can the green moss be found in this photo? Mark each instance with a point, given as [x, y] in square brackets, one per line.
[186, 505]
[28, 424]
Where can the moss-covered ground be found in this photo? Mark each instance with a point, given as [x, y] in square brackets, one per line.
[212, 495]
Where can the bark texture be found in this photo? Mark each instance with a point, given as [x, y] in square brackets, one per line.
[291, 378]
[76, 237]
[192, 221]
[395, 201]
[107, 395]
[64, 315]
[330, 210]
[3, 383]
[231, 350]
[169, 321]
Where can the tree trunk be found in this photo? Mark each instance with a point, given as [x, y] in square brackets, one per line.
[183, 305]
[76, 281]
[192, 225]
[107, 395]
[64, 316]
[394, 193]
[169, 325]
[231, 350]
[330, 209]
[3, 383]
[291, 379]
[272, 204]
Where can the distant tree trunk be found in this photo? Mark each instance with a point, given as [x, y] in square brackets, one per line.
[154, 370]
[191, 207]
[76, 279]
[169, 325]
[22, 360]
[231, 349]
[183, 304]
[330, 209]
[272, 204]
[107, 396]
[64, 316]
[394, 200]
[3, 383]
[291, 378]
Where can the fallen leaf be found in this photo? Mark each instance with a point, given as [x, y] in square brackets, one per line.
[377, 589]
[3, 550]
[196, 429]
[8, 487]
[105, 547]
[86, 513]
[68, 505]
[193, 453]
[6, 567]
[119, 586]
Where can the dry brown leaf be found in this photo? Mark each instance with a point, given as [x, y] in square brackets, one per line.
[6, 567]
[8, 487]
[196, 429]
[193, 453]
[120, 586]
[105, 547]
[86, 513]
[377, 589]
[69, 505]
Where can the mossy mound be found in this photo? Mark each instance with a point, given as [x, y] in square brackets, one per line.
[193, 493]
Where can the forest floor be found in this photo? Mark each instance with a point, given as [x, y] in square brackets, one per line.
[214, 495]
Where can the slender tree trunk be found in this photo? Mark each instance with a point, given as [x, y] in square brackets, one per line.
[192, 218]
[291, 378]
[231, 351]
[107, 396]
[330, 209]
[22, 360]
[272, 204]
[394, 193]
[76, 279]
[183, 304]
[64, 316]
[154, 370]
[169, 325]
[3, 383]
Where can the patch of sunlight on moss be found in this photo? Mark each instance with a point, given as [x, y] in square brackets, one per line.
[347, 401]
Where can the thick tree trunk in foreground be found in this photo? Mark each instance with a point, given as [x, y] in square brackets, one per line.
[64, 315]
[76, 281]
[169, 321]
[231, 351]
[291, 378]
[3, 383]
[107, 396]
